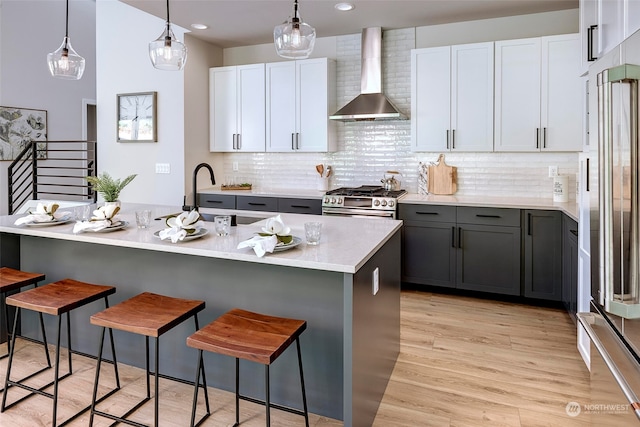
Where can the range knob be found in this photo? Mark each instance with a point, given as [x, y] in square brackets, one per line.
[339, 200]
[384, 203]
[376, 202]
[391, 203]
[326, 200]
[333, 200]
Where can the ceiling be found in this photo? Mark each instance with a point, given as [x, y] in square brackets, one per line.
[243, 23]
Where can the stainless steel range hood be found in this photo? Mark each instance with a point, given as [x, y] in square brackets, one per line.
[371, 104]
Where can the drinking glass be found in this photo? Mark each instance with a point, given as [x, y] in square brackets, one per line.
[143, 218]
[312, 232]
[223, 225]
[83, 212]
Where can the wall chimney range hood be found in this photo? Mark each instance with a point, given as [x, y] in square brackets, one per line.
[371, 104]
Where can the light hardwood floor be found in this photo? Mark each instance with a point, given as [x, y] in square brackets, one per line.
[463, 362]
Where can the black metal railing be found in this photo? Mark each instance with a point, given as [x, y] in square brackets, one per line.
[52, 170]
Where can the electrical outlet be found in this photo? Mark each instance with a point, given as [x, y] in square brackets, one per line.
[553, 171]
[235, 166]
[163, 168]
[376, 281]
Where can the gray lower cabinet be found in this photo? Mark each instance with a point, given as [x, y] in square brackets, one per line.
[300, 206]
[428, 244]
[462, 247]
[570, 265]
[488, 257]
[542, 254]
[257, 203]
[261, 203]
[220, 201]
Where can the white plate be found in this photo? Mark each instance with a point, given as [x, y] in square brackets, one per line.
[200, 233]
[118, 226]
[48, 223]
[295, 242]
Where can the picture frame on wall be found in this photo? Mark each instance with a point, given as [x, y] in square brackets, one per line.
[136, 117]
[18, 128]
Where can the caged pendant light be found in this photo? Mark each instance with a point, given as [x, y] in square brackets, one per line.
[65, 63]
[167, 52]
[294, 39]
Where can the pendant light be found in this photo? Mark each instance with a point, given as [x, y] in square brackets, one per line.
[167, 52]
[294, 39]
[65, 63]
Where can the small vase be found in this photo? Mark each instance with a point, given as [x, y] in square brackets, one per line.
[116, 203]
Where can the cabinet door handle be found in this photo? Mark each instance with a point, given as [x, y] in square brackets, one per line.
[529, 224]
[293, 141]
[234, 141]
[453, 237]
[239, 141]
[447, 139]
[590, 56]
[213, 201]
[297, 141]
[301, 206]
[256, 204]
[537, 137]
[488, 216]
[587, 173]
[544, 137]
[574, 232]
[426, 213]
[453, 139]
[459, 237]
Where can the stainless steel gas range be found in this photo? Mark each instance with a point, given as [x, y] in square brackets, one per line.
[363, 201]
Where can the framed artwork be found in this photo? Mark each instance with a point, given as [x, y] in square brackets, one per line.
[19, 127]
[136, 113]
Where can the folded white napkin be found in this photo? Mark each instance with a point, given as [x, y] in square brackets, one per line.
[260, 244]
[180, 226]
[102, 218]
[43, 213]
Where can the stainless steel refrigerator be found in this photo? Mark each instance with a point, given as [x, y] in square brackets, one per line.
[613, 323]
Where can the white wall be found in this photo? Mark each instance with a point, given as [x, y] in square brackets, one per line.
[123, 66]
[29, 30]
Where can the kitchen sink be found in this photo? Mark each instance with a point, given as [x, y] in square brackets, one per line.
[235, 219]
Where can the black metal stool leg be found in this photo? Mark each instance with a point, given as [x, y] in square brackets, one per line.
[11, 348]
[237, 393]
[195, 389]
[95, 384]
[57, 372]
[266, 394]
[44, 340]
[157, 383]
[304, 394]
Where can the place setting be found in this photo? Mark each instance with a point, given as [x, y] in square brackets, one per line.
[103, 220]
[274, 237]
[45, 215]
[183, 227]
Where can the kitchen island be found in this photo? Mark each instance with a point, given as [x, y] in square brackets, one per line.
[352, 340]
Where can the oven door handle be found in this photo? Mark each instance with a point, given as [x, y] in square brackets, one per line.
[356, 212]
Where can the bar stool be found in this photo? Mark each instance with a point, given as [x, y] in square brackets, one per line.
[11, 280]
[251, 336]
[150, 315]
[55, 299]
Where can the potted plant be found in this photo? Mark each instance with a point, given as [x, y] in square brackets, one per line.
[109, 187]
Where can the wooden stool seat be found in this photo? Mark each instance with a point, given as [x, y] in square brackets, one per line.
[11, 279]
[150, 315]
[60, 297]
[55, 299]
[147, 314]
[247, 335]
[255, 337]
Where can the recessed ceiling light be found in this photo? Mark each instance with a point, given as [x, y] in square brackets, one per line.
[199, 26]
[344, 7]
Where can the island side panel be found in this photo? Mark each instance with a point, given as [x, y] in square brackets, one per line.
[372, 338]
[313, 295]
[9, 257]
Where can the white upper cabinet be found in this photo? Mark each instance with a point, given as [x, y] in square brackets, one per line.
[237, 108]
[452, 98]
[538, 94]
[588, 33]
[300, 98]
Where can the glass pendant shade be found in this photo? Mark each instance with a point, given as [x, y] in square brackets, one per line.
[294, 39]
[65, 63]
[167, 52]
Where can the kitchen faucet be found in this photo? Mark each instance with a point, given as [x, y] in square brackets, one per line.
[195, 184]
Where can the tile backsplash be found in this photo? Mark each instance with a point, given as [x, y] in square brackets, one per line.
[367, 149]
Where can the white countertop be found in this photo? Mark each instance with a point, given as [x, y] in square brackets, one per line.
[346, 244]
[570, 208]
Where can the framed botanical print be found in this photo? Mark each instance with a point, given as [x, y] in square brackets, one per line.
[18, 128]
[136, 114]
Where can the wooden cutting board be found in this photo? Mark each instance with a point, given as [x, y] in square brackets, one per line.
[442, 178]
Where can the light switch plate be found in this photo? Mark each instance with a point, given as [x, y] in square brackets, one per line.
[376, 281]
[553, 171]
[235, 166]
[163, 168]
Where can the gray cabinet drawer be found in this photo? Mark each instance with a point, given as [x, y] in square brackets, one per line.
[300, 206]
[426, 213]
[220, 201]
[488, 216]
[257, 203]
